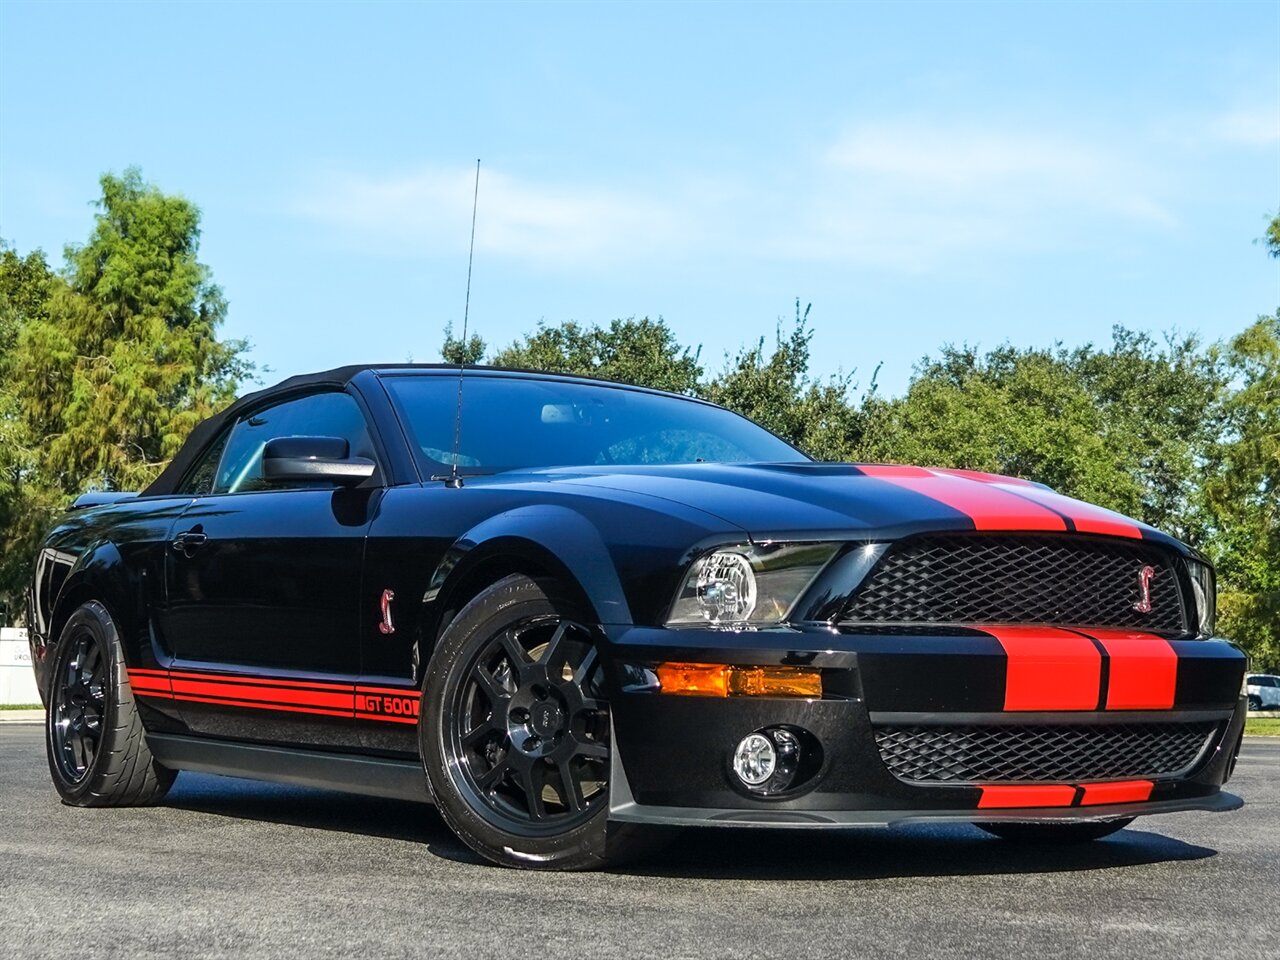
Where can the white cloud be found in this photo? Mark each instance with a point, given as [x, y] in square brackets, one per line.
[551, 224]
[1251, 126]
[905, 196]
[910, 196]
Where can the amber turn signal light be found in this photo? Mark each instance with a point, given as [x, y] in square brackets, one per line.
[722, 680]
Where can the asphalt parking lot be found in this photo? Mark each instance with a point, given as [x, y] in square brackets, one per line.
[234, 868]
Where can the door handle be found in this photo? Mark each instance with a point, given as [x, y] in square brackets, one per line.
[188, 543]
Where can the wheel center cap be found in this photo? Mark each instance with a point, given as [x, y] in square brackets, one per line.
[546, 718]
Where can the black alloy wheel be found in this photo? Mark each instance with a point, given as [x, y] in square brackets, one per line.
[529, 730]
[78, 705]
[514, 731]
[96, 744]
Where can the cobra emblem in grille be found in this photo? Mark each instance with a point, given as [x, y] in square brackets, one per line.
[1144, 585]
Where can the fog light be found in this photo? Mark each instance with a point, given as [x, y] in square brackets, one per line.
[755, 760]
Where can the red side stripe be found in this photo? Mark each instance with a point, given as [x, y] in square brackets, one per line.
[266, 706]
[1036, 796]
[323, 698]
[1128, 791]
[1049, 669]
[1144, 670]
[248, 691]
[262, 681]
[989, 507]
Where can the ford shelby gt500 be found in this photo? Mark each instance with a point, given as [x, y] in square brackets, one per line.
[566, 611]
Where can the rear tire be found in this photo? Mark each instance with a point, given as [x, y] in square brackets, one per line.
[97, 748]
[1064, 833]
[1255, 702]
[515, 736]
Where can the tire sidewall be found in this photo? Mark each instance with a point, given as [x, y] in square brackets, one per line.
[91, 618]
[508, 601]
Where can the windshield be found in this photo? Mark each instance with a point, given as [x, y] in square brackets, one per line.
[509, 423]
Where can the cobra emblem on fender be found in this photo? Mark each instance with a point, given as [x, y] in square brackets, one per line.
[387, 626]
[1145, 576]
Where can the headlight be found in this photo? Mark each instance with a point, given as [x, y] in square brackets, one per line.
[1205, 595]
[748, 584]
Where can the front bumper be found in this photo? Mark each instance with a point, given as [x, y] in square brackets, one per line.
[671, 753]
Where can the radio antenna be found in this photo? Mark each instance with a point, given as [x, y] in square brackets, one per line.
[454, 480]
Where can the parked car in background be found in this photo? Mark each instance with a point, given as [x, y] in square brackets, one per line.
[1264, 691]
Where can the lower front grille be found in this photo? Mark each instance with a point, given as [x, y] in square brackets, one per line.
[1042, 753]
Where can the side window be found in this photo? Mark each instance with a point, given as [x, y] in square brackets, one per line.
[317, 415]
[200, 480]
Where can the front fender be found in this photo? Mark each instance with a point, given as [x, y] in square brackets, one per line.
[553, 538]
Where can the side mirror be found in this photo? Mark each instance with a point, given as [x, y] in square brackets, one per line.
[313, 459]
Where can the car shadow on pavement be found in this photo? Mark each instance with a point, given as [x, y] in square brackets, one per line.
[710, 853]
[902, 851]
[318, 809]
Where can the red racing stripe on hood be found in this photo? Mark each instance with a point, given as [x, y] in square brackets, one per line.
[1048, 668]
[1085, 517]
[1143, 671]
[988, 505]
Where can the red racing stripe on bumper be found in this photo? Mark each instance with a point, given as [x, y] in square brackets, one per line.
[1143, 670]
[988, 506]
[1020, 796]
[1127, 791]
[1048, 668]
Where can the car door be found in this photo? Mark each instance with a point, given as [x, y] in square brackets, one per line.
[264, 584]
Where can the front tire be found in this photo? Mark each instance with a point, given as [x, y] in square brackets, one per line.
[97, 748]
[514, 731]
[1061, 833]
[1255, 703]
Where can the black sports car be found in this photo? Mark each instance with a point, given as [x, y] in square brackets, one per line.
[566, 610]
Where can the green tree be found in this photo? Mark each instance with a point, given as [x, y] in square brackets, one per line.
[25, 505]
[455, 351]
[1242, 492]
[777, 392]
[125, 360]
[1126, 427]
[643, 352]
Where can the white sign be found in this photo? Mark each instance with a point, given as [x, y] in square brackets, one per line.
[15, 653]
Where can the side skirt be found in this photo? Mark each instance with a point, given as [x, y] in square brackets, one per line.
[370, 776]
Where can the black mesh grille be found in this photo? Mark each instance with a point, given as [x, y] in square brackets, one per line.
[977, 579]
[1054, 753]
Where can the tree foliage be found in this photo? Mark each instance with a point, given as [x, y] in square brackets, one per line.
[1123, 427]
[777, 392]
[640, 351]
[125, 360]
[25, 504]
[107, 365]
[1242, 493]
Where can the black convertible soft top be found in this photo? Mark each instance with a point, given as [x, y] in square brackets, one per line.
[206, 430]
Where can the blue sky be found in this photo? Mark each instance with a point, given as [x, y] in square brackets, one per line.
[921, 172]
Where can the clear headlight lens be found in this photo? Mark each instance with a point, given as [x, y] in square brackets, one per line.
[748, 584]
[1205, 594]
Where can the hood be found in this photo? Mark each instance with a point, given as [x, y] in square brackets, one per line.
[871, 501]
